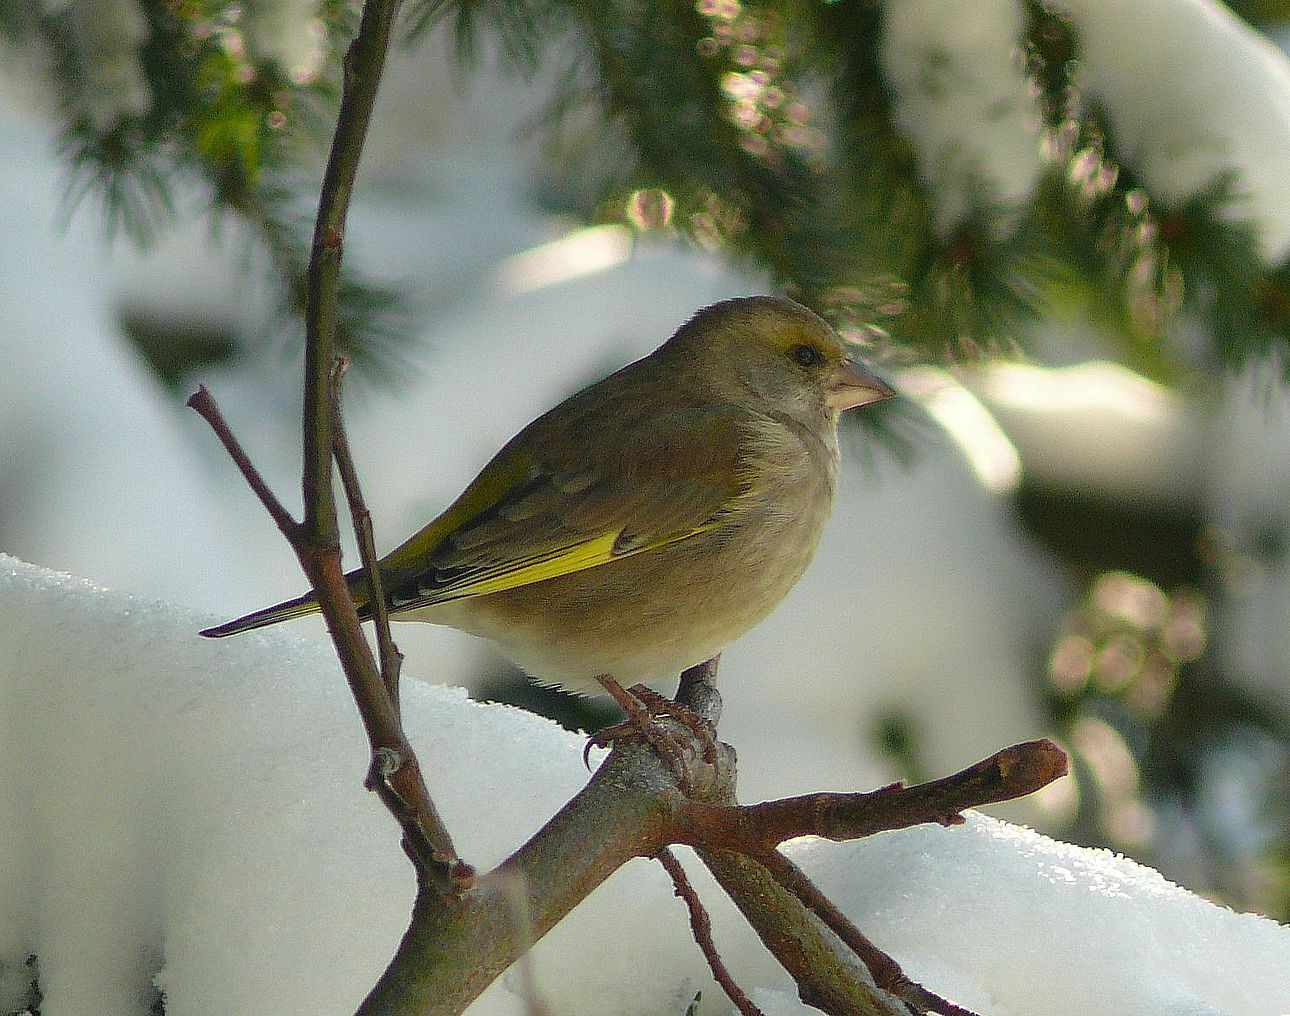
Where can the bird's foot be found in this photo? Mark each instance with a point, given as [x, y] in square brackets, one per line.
[643, 706]
[661, 705]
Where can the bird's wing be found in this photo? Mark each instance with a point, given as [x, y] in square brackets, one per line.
[558, 512]
[547, 506]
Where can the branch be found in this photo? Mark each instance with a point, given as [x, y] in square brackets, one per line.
[395, 773]
[390, 657]
[364, 62]
[456, 946]
[758, 828]
[786, 908]
[828, 976]
[701, 925]
[886, 972]
[206, 407]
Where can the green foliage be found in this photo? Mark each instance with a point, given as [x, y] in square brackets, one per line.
[218, 121]
[764, 130]
[767, 130]
[1216, 253]
[516, 28]
[135, 190]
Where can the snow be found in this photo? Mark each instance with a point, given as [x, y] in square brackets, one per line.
[108, 35]
[960, 93]
[1143, 945]
[1192, 93]
[1248, 457]
[192, 811]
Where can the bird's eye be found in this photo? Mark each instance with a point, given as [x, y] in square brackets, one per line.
[806, 356]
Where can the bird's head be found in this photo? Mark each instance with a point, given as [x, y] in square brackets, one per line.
[779, 354]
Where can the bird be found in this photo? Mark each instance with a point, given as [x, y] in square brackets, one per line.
[649, 520]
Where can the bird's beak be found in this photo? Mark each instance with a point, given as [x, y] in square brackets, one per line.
[854, 385]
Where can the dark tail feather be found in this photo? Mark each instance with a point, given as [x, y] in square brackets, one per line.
[285, 611]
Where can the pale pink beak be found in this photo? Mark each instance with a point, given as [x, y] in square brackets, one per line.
[854, 385]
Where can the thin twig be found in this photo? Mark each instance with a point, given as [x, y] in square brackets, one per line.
[701, 925]
[395, 772]
[757, 828]
[887, 973]
[514, 886]
[390, 657]
[207, 409]
[364, 62]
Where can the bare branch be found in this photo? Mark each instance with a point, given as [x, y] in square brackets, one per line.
[886, 972]
[390, 657]
[208, 410]
[701, 925]
[457, 945]
[828, 975]
[758, 828]
[394, 772]
[364, 62]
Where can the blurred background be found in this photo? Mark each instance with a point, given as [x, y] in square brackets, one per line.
[1062, 230]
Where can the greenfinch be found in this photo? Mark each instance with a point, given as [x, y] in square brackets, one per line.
[646, 522]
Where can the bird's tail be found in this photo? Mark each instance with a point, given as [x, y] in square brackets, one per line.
[284, 611]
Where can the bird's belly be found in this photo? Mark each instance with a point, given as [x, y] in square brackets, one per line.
[643, 618]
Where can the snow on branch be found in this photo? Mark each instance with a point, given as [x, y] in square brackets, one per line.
[961, 93]
[1194, 94]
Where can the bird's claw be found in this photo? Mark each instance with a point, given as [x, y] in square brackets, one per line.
[643, 705]
[661, 705]
[605, 738]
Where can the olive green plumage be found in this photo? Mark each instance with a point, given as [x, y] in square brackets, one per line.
[649, 520]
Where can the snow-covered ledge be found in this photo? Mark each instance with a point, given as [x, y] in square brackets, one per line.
[191, 814]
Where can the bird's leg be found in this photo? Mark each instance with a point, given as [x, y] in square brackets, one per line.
[641, 709]
[661, 705]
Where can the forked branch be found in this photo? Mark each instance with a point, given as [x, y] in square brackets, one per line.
[394, 772]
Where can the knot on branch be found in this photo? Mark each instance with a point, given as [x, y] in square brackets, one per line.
[386, 761]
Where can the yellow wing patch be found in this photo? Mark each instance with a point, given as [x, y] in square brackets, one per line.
[576, 557]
